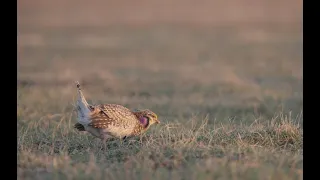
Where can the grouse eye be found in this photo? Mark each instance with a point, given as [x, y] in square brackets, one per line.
[153, 116]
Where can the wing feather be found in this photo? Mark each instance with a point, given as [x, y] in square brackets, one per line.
[110, 115]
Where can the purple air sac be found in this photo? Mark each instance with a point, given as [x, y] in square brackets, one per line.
[144, 121]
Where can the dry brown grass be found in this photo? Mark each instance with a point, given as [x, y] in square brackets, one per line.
[191, 150]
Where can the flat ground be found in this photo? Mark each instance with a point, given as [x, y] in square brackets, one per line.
[225, 79]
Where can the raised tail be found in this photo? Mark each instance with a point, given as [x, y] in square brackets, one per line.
[83, 108]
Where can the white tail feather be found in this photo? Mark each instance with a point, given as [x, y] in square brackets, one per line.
[83, 108]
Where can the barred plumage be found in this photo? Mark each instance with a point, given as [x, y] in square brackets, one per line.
[107, 120]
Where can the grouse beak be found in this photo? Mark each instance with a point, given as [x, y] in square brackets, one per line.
[157, 121]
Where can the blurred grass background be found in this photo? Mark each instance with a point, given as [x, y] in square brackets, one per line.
[228, 61]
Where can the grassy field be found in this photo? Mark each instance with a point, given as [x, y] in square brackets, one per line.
[228, 94]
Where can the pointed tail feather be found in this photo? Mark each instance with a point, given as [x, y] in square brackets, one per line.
[83, 108]
[81, 96]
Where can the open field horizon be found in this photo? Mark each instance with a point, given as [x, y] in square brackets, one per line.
[225, 81]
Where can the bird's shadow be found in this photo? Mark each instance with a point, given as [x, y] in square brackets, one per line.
[114, 144]
[128, 142]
